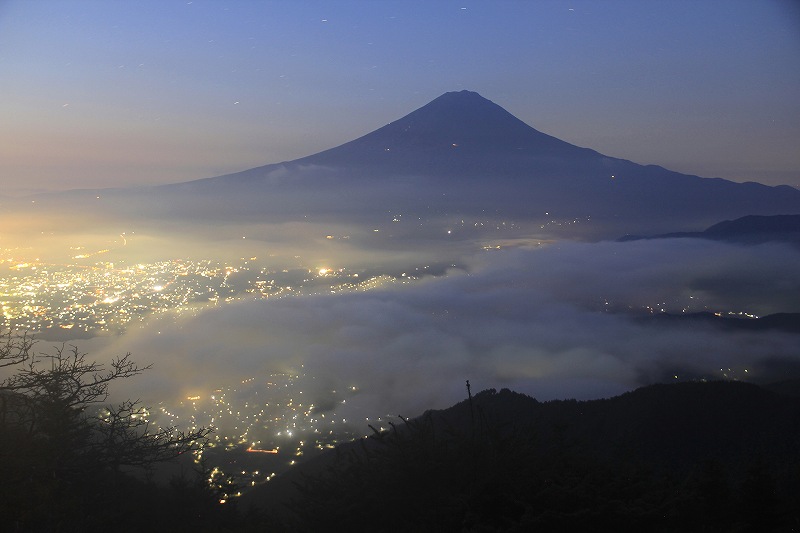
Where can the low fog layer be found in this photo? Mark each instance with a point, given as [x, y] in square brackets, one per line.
[560, 321]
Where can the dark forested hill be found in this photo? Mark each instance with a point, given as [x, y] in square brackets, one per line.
[695, 456]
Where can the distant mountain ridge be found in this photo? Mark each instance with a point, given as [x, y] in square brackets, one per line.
[750, 229]
[785, 322]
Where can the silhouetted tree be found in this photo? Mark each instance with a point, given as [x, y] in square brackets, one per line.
[66, 457]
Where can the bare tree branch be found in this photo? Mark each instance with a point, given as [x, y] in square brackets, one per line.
[54, 399]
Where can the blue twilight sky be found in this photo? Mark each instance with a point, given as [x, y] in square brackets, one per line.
[114, 93]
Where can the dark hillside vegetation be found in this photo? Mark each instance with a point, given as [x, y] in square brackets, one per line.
[70, 463]
[718, 456]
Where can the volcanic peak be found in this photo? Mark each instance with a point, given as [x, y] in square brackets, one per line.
[453, 125]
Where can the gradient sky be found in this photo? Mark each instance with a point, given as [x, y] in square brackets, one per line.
[109, 93]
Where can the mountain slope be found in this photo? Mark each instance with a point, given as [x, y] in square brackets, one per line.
[453, 132]
[464, 152]
[461, 155]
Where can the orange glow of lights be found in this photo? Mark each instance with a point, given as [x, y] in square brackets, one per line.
[254, 450]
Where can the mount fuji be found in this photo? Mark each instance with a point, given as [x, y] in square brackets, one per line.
[462, 154]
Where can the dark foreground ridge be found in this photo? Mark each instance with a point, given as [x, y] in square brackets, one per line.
[694, 456]
[691, 456]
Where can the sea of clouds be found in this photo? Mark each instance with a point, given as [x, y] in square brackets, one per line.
[568, 320]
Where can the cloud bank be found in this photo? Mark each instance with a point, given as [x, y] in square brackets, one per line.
[562, 321]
